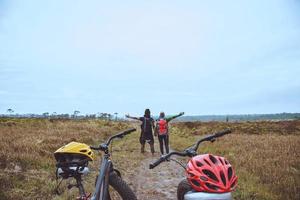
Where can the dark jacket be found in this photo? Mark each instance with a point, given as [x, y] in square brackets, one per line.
[147, 127]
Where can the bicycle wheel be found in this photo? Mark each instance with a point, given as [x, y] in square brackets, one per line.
[182, 188]
[120, 189]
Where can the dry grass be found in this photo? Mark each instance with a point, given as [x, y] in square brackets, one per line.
[26, 155]
[264, 154]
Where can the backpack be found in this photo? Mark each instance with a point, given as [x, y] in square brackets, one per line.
[162, 127]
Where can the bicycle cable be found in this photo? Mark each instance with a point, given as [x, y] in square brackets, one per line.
[178, 162]
[57, 187]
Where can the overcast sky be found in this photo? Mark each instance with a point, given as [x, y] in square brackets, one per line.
[201, 57]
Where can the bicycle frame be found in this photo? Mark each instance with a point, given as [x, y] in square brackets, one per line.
[102, 180]
[101, 190]
[76, 169]
[102, 183]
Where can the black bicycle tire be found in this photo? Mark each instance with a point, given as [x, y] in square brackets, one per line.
[121, 187]
[182, 188]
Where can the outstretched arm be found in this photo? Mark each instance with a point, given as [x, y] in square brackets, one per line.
[130, 117]
[175, 116]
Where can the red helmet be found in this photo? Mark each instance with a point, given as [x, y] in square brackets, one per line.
[209, 173]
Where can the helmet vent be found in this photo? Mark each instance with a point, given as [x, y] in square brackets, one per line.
[210, 174]
[223, 178]
[199, 164]
[211, 186]
[229, 173]
[233, 184]
[207, 162]
[83, 150]
[213, 159]
[221, 161]
[226, 162]
[195, 182]
[203, 178]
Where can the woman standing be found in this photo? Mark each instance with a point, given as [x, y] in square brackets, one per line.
[147, 128]
[162, 130]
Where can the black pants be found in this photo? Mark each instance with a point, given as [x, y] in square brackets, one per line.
[163, 139]
[149, 139]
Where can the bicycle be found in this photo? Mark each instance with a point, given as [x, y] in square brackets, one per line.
[201, 183]
[72, 162]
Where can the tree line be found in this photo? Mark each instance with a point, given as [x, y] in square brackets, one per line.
[54, 115]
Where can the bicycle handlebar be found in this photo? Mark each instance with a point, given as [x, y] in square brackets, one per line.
[105, 145]
[120, 135]
[211, 138]
[157, 162]
[165, 157]
[221, 133]
[192, 151]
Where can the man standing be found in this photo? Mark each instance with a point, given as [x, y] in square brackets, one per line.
[162, 130]
[147, 128]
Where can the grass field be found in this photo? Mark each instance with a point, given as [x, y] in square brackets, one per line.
[27, 146]
[264, 154]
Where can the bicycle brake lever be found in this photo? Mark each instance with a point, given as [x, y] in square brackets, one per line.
[191, 151]
[103, 146]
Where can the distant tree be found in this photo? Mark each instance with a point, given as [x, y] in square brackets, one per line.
[116, 116]
[10, 111]
[93, 116]
[45, 114]
[65, 116]
[76, 112]
[104, 116]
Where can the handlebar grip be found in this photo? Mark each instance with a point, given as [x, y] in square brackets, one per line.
[221, 133]
[94, 148]
[129, 131]
[153, 165]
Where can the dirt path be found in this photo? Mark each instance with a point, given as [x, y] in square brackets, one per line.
[159, 183]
